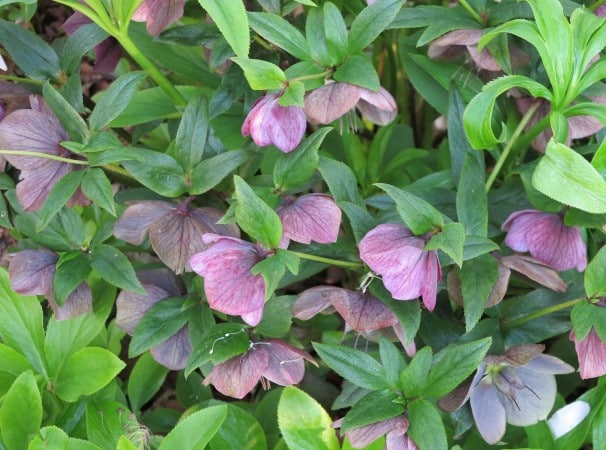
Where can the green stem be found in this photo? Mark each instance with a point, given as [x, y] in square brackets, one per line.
[21, 80]
[44, 155]
[312, 77]
[118, 171]
[334, 262]
[536, 129]
[597, 4]
[509, 324]
[499, 165]
[471, 11]
[264, 44]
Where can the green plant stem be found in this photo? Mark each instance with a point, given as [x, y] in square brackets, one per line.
[21, 80]
[499, 164]
[509, 324]
[264, 44]
[597, 4]
[312, 77]
[118, 171]
[334, 262]
[471, 11]
[44, 155]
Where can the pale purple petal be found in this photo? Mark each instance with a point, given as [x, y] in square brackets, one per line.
[313, 301]
[329, 102]
[483, 59]
[311, 217]
[131, 307]
[362, 312]
[378, 107]
[253, 318]
[285, 365]
[158, 14]
[550, 365]
[591, 352]
[35, 184]
[363, 436]
[237, 376]
[134, 223]
[488, 412]
[80, 301]
[174, 352]
[254, 123]
[32, 271]
[535, 270]
[396, 441]
[107, 55]
[229, 285]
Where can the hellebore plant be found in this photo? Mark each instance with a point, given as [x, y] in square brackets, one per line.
[394, 431]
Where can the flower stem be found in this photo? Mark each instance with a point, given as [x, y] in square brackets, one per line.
[509, 324]
[471, 11]
[44, 155]
[313, 76]
[21, 80]
[334, 262]
[499, 164]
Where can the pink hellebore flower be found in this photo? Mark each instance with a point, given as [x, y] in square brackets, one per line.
[591, 351]
[272, 360]
[270, 123]
[407, 270]
[311, 217]
[546, 238]
[159, 14]
[229, 284]
[393, 429]
[37, 130]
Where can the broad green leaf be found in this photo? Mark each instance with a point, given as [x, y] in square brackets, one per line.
[450, 240]
[582, 317]
[158, 172]
[59, 196]
[316, 38]
[304, 424]
[52, 437]
[145, 380]
[125, 443]
[565, 176]
[21, 412]
[115, 268]
[261, 75]
[477, 245]
[374, 407]
[426, 428]
[293, 94]
[12, 361]
[417, 214]
[455, 363]
[595, 275]
[255, 217]
[190, 141]
[353, 365]
[335, 31]
[71, 270]
[340, 180]
[280, 32]
[196, 430]
[70, 119]
[86, 372]
[413, 378]
[472, 202]
[392, 360]
[240, 430]
[115, 99]
[460, 149]
[210, 172]
[371, 22]
[478, 276]
[360, 71]
[359, 218]
[277, 316]
[97, 187]
[272, 269]
[230, 18]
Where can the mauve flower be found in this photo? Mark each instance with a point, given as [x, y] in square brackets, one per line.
[175, 230]
[407, 270]
[518, 388]
[270, 123]
[311, 217]
[131, 307]
[229, 284]
[272, 360]
[600, 11]
[546, 238]
[107, 53]
[158, 14]
[335, 99]
[591, 351]
[37, 130]
[12, 98]
[393, 429]
[32, 272]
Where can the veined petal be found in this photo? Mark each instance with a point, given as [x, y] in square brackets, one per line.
[286, 126]
[134, 223]
[131, 307]
[363, 436]
[311, 217]
[378, 107]
[80, 301]
[362, 312]
[174, 352]
[285, 365]
[35, 185]
[158, 14]
[535, 270]
[32, 271]
[331, 101]
[591, 352]
[488, 412]
[313, 301]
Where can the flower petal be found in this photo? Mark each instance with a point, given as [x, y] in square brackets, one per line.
[363, 436]
[313, 301]
[174, 352]
[158, 14]
[331, 101]
[80, 301]
[131, 307]
[32, 271]
[378, 107]
[591, 352]
[285, 364]
[311, 217]
[568, 417]
[134, 223]
[535, 270]
[488, 412]
[362, 312]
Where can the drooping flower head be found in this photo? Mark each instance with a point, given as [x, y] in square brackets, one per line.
[591, 351]
[131, 307]
[546, 238]
[158, 14]
[37, 130]
[269, 123]
[407, 270]
[175, 230]
[393, 429]
[273, 360]
[229, 284]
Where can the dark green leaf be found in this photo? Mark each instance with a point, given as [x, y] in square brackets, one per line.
[115, 268]
[209, 172]
[316, 38]
[371, 22]
[374, 407]
[97, 187]
[472, 202]
[158, 172]
[460, 149]
[277, 316]
[359, 218]
[426, 428]
[340, 180]
[59, 196]
[279, 32]
[335, 31]
[192, 133]
[360, 71]
[595, 275]
[70, 119]
[478, 276]
[239, 430]
[231, 20]
[450, 240]
[145, 380]
[71, 270]
[413, 378]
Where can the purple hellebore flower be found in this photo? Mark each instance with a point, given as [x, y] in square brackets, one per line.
[546, 238]
[272, 360]
[311, 217]
[361, 312]
[393, 429]
[600, 11]
[107, 53]
[37, 130]
[591, 351]
[175, 231]
[270, 123]
[158, 14]
[229, 284]
[407, 270]
[131, 307]
[32, 272]
[335, 99]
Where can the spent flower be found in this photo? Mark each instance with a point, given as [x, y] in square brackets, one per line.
[591, 352]
[311, 217]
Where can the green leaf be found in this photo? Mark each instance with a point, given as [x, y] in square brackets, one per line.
[472, 202]
[450, 240]
[304, 424]
[335, 31]
[460, 149]
[360, 71]
[192, 134]
[52, 437]
[478, 276]
[565, 176]
[106, 421]
[392, 360]
[293, 94]
[294, 170]
[273, 268]
[21, 412]
[115, 268]
[210, 172]
[97, 187]
[375, 407]
[162, 321]
[582, 317]
[59, 196]
[158, 172]
[70, 119]
[261, 75]
[86, 372]
[353, 365]
[255, 217]
[196, 430]
[239, 430]
[277, 317]
[145, 381]
[454, 364]
[316, 38]
[115, 99]
[595, 275]
[371, 22]
[230, 18]
[426, 428]
[340, 180]
[12, 361]
[71, 270]
[417, 214]
[413, 378]
[359, 218]
[280, 32]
